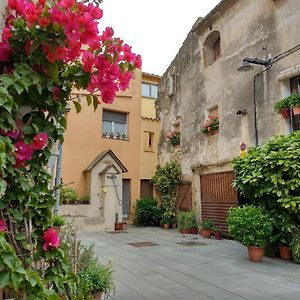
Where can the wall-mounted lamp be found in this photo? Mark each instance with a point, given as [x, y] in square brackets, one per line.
[247, 64]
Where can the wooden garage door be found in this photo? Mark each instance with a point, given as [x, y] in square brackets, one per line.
[217, 196]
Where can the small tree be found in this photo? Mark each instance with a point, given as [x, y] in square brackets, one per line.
[166, 180]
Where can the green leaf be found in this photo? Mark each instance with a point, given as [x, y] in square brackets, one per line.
[77, 106]
[10, 260]
[89, 99]
[19, 89]
[20, 236]
[4, 279]
[3, 186]
[95, 102]
[16, 279]
[53, 71]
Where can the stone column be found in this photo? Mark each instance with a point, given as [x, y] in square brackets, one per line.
[3, 5]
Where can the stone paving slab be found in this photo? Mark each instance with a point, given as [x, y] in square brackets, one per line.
[219, 270]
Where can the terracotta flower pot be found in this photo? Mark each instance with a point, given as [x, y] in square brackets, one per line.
[124, 226]
[185, 231]
[97, 296]
[217, 235]
[194, 230]
[118, 226]
[255, 253]
[296, 110]
[285, 112]
[285, 252]
[206, 233]
[166, 226]
[174, 225]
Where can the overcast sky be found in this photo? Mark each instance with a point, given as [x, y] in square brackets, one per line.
[155, 29]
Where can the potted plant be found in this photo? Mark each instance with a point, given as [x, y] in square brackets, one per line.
[252, 227]
[68, 195]
[165, 220]
[282, 107]
[295, 247]
[57, 222]
[118, 225]
[211, 125]
[97, 280]
[123, 136]
[186, 221]
[206, 228]
[294, 102]
[217, 232]
[174, 137]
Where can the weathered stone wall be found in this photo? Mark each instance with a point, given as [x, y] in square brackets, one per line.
[247, 29]
[3, 4]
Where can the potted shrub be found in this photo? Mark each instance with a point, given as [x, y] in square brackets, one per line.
[97, 279]
[186, 221]
[57, 222]
[217, 232]
[118, 225]
[206, 228]
[211, 125]
[165, 220]
[252, 227]
[68, 195]
[282, 107]
[294, 102]
[174, 137]
[295, 247]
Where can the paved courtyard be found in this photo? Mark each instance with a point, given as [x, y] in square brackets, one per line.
[190, 268]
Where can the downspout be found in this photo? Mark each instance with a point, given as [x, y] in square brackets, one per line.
[58, 178]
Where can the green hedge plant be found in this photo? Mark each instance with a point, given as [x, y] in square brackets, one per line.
[147, 212]
[186, 220]
[249, 225]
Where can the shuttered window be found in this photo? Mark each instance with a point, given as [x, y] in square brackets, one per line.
[114, 124]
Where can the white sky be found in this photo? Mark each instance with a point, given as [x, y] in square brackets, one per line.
[155, 29]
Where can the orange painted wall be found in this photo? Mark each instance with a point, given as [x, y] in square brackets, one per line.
[84, 141]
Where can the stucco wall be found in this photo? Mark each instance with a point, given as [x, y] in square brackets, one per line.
[3, 4]
[248, 29]
[84, 141]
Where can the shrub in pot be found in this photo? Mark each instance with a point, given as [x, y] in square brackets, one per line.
[166, 220]
[186, 221]
[206, 228]
[252, 227]
[294, 102]
[217, 232]
[97, 280]
[283, 107]
[295, 247]
[147, 212]
[68, 195]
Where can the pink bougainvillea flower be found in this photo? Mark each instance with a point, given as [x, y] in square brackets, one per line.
[23, 153]
[3, 226]
[51, 239]
[138, 61]
[40, 141]
[44, 22]
[88, 61]
[5, 51]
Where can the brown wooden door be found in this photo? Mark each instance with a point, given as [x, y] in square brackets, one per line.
[146, 188]
[184, 199]
[217, 196]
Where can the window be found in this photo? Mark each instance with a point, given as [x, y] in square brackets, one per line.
[295, 88]
[212, 48]
[148, 141]
[114, 124]
[149, 90]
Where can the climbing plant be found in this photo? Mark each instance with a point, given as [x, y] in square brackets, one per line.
[166, 180]
[48, 49]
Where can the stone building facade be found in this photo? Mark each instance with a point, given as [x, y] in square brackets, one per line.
[203, 80]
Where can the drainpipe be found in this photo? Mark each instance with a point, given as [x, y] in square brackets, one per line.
[58, 178]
